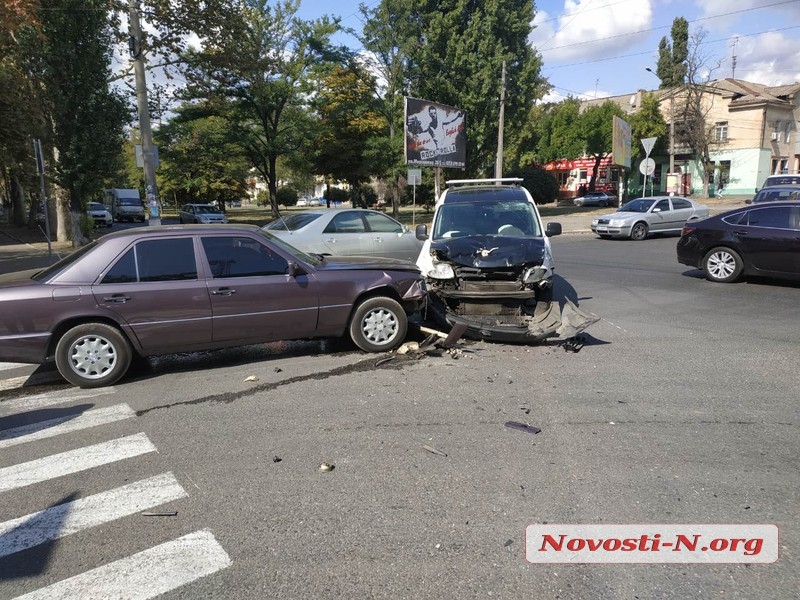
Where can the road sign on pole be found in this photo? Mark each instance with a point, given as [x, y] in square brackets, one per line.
[647, 144]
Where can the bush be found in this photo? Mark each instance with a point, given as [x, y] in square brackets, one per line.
[287, 196]
[540, 183]
[337, 195]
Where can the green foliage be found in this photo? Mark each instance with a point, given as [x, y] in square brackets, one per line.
[455, 51]
[648, 122]
[287, 195]
[202, 157]
[672, 59]
[337, 195]
[540, 183]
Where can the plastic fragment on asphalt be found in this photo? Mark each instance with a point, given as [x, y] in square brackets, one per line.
[383, 360]
[276, 459]
[326, 467]
[166, 513]
[522, 427]
[251, 378]
[433, 450]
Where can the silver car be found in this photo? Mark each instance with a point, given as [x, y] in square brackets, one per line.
[656, 214]
[201, 213]
[99, 214]
[347, 232]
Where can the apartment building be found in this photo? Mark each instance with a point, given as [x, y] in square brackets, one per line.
[752, 131]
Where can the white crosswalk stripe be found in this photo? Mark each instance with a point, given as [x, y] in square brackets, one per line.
[27, 403]
[73, 461]
[140, 576]
[65, 519]
[64, 424]
[144, 575]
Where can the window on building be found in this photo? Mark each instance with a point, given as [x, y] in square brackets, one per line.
[721, 132]
[787, 130]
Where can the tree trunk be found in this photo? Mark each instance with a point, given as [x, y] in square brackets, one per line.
[63, 219]
[18, 202]
[272, 184]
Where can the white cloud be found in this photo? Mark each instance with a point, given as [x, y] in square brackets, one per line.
[770, 58]
[591, 28]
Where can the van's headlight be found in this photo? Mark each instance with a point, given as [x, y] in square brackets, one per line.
[441, 270]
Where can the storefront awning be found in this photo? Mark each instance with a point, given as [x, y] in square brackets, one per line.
[578, 163]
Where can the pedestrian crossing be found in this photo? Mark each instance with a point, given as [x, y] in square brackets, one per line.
[142, 575]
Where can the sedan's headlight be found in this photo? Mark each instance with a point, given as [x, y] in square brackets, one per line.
[616, 222]
[441, 271]
[595, 221]
[204, 220]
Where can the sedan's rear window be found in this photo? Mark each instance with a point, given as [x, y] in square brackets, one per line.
[292, 222]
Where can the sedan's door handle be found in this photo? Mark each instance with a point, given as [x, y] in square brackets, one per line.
[331, 240]
[378, 240]
[116, 299]
[224, 292]
[740, 232]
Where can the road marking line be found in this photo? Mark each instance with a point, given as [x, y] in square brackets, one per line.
[51, 399]
[64, 424]
[143, 575]
[5, 366]
[13, 382]
[73, 461]
[65, 519]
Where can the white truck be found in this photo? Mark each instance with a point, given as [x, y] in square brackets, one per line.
[124, 204]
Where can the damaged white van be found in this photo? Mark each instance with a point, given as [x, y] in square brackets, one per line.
[488, 264]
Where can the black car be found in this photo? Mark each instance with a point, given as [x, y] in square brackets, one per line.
[777, 193]
[762, 239]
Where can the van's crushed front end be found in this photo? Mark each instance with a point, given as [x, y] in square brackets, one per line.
[488, 265]
[500, 288]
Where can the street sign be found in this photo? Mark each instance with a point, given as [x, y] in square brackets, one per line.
[647, 144]
[647, 167]
[414, 176]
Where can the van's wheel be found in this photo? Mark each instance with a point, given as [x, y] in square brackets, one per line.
[379, 324]
[639, 231]
[93, 355]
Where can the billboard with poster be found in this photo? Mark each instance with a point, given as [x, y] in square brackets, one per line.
[621, 142]
[436, 135]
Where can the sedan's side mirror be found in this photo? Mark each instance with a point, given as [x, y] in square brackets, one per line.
[748, 201]
[553, 229]
[422, 232]
[295, 270]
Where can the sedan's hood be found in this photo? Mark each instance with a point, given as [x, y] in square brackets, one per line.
[347, 263]
[490, 251]
[622, 215]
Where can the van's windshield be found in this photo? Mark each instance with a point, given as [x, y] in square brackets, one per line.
[129, 202]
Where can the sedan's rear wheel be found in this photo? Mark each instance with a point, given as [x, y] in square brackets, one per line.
[639, 231]
[379, 324]
[93, 355]
[722, 265]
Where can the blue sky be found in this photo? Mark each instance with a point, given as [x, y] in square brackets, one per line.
[597, 48]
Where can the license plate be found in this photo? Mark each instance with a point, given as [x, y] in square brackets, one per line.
[602, 229]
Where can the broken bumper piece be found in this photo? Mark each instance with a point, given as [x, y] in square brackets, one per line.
[553, 322]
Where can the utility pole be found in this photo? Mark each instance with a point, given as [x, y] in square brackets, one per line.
[498, 167]
[148, 153]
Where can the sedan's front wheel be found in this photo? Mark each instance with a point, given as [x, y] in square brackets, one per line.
[93, 355]
[722, 265]
[379, 324]
[639, 231]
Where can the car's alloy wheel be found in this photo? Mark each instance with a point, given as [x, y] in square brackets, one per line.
[639, 231]
[722, 265]
[378, 324]
[93, 355]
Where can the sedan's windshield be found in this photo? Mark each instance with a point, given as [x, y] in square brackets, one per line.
[637, 206]
[206, 210]
[509, 219]
[96, 206]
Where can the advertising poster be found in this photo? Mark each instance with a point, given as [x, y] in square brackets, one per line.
[436, 135]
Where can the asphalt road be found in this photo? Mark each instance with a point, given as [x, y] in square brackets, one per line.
[680, 408]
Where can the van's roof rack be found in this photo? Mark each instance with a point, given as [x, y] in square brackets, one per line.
[494, 180]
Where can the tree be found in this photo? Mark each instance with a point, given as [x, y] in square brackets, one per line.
[556, 131]
[596, 125]
[203, 159]
[69, 59]
[348, 119]
[672, 67]
[456, 49]
[261, 61]
[692, 106]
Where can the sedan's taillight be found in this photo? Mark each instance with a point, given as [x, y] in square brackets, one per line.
[687, 230]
